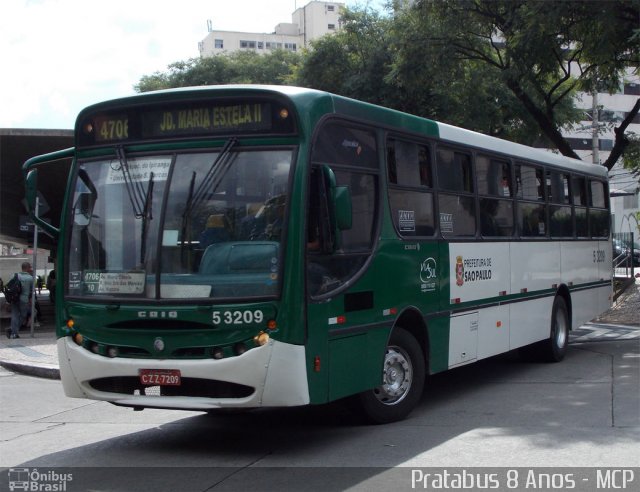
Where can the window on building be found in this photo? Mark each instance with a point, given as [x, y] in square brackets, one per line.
[248, 44]
[605, 144]
[632, 89]
[331, 27]
[290, 46]
[218, 44]
[260, 45]
[330, 8]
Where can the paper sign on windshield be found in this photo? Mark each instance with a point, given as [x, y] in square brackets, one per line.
[114, 282]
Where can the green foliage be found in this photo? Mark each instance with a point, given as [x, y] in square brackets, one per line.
[242, 67]
[631, 156]
[502, 67]
[542, 52]
[352, 62]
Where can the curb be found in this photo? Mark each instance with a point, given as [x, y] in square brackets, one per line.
[30, 369]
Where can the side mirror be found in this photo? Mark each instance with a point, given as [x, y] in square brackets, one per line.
[30, 173]
[84, 200]
[83, 209]
[340, 217]
[31, 190]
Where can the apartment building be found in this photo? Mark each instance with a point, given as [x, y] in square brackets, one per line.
[310, 22]
[612, 109]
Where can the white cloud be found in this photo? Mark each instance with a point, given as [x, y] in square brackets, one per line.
[59, 56]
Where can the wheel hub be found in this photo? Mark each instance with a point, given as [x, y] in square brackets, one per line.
[397, 375]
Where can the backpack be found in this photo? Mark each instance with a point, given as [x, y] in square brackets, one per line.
[12, 290]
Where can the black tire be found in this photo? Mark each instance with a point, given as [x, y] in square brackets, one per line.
[403, 377]
[555, 347]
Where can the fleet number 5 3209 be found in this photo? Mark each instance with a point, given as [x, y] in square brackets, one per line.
[237, 317]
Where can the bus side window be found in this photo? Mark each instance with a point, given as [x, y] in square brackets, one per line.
[495, 191]
[455, 198]
[599, 216]
[560, 217]
[532, 214]
[314, 237]
[579, 196]
[335, 255]
[410, 193]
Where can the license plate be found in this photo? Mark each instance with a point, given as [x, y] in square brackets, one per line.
[160, 377]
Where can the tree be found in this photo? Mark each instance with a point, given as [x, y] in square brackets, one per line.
[631, 156]
[364, 61]
[352, 62]
[543, 51]
[242, 67]
[457, 90]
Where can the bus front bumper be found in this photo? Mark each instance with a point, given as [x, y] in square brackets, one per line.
[276, 372]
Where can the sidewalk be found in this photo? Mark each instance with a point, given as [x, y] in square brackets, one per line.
[38, 355]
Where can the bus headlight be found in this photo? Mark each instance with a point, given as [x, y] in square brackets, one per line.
[217, 353]
[78, 338]
[261, 339]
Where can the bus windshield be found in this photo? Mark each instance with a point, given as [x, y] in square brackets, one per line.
[179, 226]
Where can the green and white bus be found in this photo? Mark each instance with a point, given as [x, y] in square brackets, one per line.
[259, 246]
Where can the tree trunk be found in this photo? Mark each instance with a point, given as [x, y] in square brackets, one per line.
[621, 141]
[546, 124]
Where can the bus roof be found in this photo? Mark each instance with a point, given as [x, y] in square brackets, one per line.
[455, 134]
[364, 111]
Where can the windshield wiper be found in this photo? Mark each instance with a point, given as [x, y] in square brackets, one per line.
[147, 215]
[211, 180]
[185, 228]
[134, 188]
[141, 200]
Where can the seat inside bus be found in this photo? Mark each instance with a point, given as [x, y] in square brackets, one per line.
[239, 257]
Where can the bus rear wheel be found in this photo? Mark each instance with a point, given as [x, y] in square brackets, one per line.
[403, 375]
[555, 347]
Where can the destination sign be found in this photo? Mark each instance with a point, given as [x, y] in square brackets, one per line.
[187, 119]
[110, 128]
[207, 119]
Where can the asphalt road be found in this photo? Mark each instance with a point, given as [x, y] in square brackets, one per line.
[503, 412]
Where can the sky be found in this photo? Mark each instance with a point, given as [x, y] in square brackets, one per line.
[58, 56]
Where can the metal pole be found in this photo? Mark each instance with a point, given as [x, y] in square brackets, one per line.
[35, 268]
[594, 128]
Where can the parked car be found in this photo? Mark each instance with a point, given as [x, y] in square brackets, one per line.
[622, 247]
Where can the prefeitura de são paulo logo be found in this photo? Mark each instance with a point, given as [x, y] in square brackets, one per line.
[459, 271]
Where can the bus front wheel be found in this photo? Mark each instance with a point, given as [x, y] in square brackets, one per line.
[403, 375]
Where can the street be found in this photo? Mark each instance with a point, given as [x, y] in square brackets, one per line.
[502, 412]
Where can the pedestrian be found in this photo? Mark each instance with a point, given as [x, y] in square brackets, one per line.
[51, 285]
[20, 310]
[39, 283]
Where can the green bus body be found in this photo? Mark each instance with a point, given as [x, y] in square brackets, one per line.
[401, 250]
